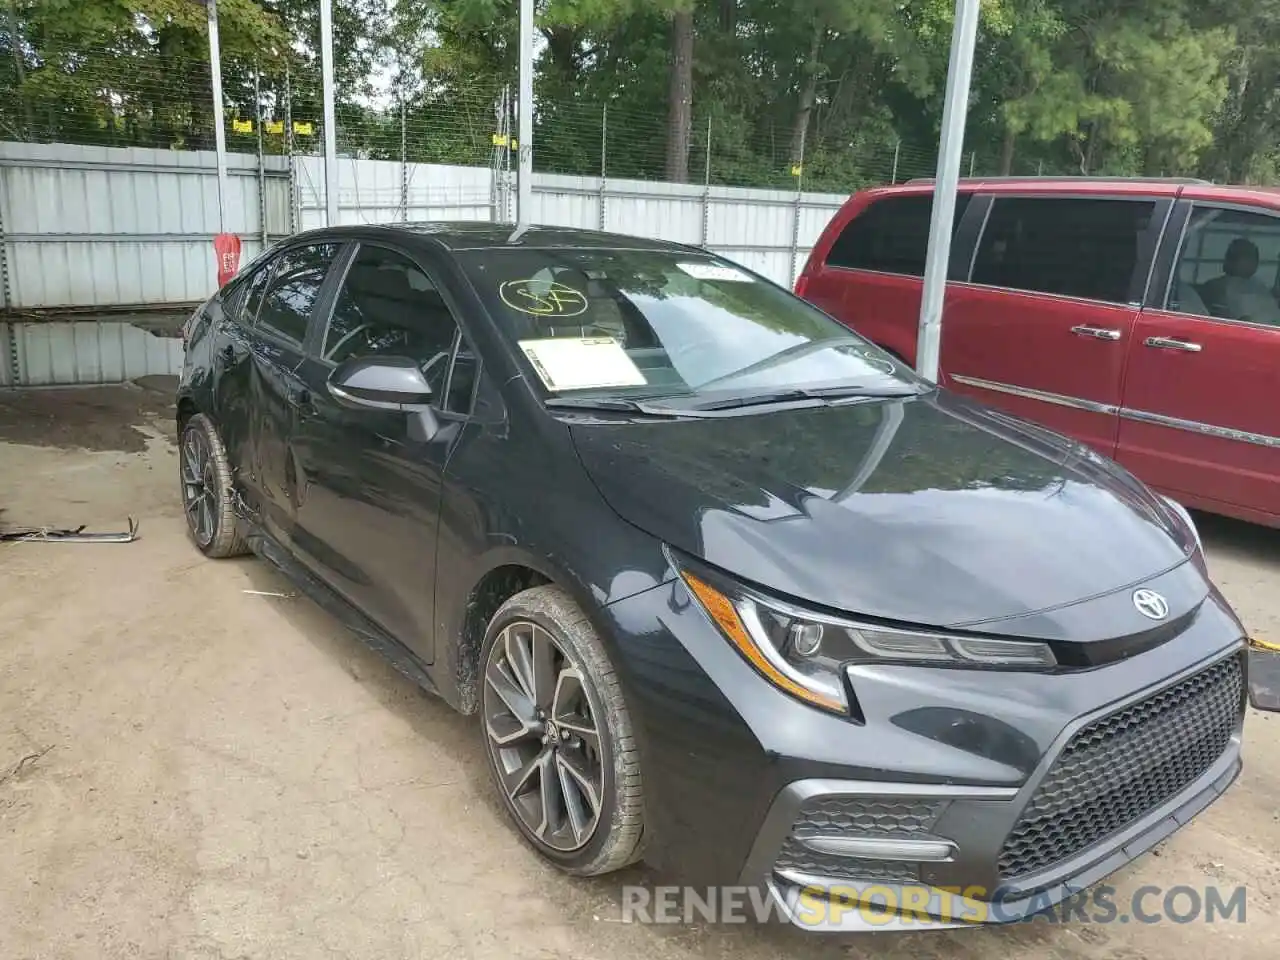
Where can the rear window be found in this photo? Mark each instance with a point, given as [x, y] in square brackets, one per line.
[890, 236]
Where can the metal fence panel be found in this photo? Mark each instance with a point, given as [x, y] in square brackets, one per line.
[108, 227]
[70, 353]
[105, 226]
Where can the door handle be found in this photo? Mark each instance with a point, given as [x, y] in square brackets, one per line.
[1173, 343]
[1097, 333]
[301, 398]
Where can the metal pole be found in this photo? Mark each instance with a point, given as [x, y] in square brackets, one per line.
[973, 156]
[795, 215]
[330, 120]
[959, 73]
[524, 205]
[897, 150]
[288, 149]
[706, 189]
[262, 163]
[219, 135]
[404, 156]
[604, 144]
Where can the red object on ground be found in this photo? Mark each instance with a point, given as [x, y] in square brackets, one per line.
[226, 248]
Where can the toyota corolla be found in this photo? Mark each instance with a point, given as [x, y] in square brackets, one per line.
[726, 587]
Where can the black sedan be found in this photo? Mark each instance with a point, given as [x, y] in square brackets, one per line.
[727, 587]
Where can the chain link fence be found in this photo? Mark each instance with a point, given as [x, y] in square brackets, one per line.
[115, 99]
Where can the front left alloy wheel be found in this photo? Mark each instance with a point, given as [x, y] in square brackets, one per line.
[558, 735]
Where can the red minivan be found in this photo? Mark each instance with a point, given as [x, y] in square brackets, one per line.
[1141, 317]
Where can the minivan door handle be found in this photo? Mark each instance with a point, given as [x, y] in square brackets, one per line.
[1097, 333]
[1173, 343]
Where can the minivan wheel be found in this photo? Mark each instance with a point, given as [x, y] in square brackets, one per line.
[206, 490]
[558, 735]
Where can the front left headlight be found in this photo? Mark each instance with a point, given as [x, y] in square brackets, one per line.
[805, 654]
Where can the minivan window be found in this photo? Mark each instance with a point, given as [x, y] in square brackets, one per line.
[664, 323]
[1229, 266]
[1073, 247]
[295, 285]
[890, 236]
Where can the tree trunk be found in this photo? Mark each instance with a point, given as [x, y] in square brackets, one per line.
[680, 97]
[808, 94]
[729, 15]
[1006, 151]
[15, 41]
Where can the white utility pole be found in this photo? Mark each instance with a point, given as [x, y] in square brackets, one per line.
[330, 121]
[219, 135]
[955, 107]
[524, 195]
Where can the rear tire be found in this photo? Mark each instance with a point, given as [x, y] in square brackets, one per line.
[206, 479]
[551, 704]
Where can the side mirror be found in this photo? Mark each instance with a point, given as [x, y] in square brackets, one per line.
[381, 383]
[1264, 675]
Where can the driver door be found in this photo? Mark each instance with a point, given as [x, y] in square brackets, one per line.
[369, 487]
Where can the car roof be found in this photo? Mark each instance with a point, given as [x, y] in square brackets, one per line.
[1190, 189]
[461, 235]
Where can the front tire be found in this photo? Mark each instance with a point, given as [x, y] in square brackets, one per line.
[206, 490]
[558, 735]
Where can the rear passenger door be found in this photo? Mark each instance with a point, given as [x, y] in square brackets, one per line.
[1200, 419]
[1042, 325]
[275, 350]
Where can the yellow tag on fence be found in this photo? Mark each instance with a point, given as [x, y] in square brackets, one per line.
[242, 126]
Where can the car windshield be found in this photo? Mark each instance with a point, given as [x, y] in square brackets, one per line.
[663, 324]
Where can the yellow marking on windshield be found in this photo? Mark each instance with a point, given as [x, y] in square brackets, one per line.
[542, 298]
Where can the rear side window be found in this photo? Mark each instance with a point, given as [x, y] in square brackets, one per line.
[1067, 246]
[256, 287]
[890, 236]
[295, 285]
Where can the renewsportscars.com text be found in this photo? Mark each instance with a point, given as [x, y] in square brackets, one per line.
[878, 905]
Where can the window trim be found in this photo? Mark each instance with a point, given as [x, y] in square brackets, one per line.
[1173, 258]
[277, 335]
[314, 346]
[1148, 253]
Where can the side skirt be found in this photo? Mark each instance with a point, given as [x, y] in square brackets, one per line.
[401, 657]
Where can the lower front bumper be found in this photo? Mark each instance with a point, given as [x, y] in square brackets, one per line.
[829, 904]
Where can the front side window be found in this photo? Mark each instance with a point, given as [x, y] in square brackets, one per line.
[890, 236]
[1063, 245]
[1229, 267]
[388, 306]
[295, 285]
[666, 324]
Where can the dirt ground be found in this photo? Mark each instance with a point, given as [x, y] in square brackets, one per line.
[216, 774]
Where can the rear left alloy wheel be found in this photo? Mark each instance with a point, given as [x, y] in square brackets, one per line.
[206, 490]
[558, 735]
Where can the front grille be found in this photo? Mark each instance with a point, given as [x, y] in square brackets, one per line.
[866, 817]
[1123, 766]
[878, 817]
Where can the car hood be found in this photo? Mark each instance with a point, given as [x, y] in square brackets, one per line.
[926, 509]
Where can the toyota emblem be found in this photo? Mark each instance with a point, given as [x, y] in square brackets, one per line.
[1150, 604]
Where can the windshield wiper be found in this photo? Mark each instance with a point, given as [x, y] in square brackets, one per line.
[819, 394]
[612, 405]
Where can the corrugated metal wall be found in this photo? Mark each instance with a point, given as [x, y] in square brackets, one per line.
[98, 227]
